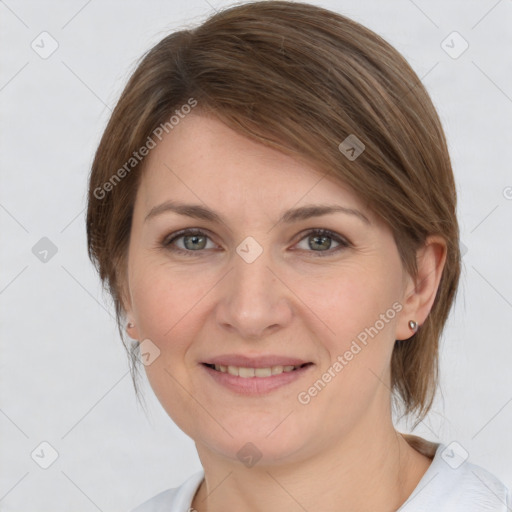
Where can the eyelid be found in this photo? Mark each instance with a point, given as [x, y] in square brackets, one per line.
[323, 231]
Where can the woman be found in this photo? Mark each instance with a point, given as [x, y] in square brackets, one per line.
[273, 208]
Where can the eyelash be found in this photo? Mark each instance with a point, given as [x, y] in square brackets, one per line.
[168, 240]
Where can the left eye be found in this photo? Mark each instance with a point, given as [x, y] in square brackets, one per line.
[322, 239]
[195, 241]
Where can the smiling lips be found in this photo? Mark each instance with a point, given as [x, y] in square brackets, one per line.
[254, 375]
[240, 360]
[245, 372]
[247, 367]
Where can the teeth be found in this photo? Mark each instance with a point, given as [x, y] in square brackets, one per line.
[240, 371]
[262, 372]
[246, 372]
[277, 369]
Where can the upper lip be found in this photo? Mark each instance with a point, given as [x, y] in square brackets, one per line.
[255, 362]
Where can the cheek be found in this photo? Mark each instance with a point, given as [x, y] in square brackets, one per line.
[166, 308]
[350, 301]
[359, 310]
[163, 298]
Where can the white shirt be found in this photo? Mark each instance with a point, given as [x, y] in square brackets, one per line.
[450, 484]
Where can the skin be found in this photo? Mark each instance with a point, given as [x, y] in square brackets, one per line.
[326, 455]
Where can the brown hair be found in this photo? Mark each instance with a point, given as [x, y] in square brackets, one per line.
[301, 79]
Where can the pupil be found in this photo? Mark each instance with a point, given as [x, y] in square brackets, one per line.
[321, 238]
[194, 239]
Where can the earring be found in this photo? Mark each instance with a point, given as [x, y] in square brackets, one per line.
[130, 325]
[413, 325]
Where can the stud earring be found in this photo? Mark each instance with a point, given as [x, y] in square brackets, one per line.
[413, 325]
[130, 325]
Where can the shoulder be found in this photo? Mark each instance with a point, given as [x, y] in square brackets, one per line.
[475, 488]
[177, 499]
[158, 503]
[454, 484]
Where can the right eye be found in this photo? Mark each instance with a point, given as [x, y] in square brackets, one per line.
[194, 240]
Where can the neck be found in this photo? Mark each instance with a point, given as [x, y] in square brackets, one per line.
[371, 469]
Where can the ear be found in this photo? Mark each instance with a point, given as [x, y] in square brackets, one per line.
[131, 329]
[126, 301]
[420, 293]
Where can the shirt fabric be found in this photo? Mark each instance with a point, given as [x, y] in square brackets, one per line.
[450, 484]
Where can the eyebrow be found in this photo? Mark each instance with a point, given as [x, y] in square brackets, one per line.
[198, 211]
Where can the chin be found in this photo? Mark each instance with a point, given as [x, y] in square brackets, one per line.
[265, 443]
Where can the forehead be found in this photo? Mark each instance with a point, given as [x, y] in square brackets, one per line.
[203, 160]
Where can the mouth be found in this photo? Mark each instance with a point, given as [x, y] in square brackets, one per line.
[249, 373]
[252, 381]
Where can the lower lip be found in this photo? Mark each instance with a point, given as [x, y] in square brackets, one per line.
[256, 385]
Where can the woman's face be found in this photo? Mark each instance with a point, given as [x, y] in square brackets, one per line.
[254, 287]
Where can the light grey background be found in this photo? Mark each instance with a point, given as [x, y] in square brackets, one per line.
[63, 373]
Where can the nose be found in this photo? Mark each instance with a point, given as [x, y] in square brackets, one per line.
[254, 300]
